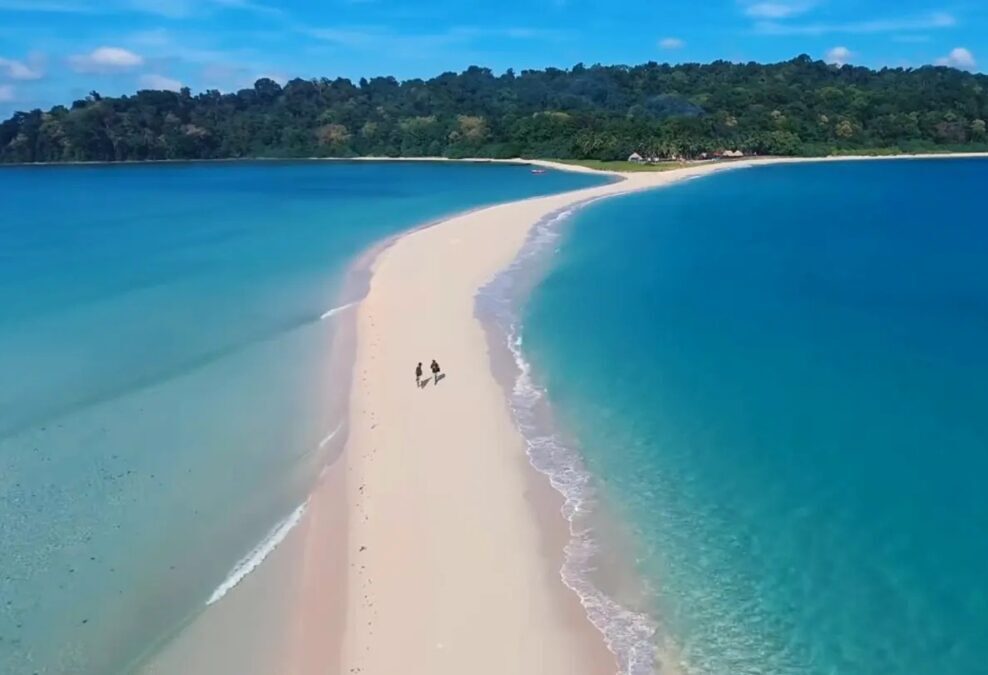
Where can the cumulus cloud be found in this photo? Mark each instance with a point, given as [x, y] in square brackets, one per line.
[6, 93]
[958, 58]
[777, 10]
[159, 82]
[839, 55]
[18, 70]
[105, 59]
[671, 43]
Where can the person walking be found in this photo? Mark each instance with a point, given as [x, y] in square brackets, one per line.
[418, 375]
[435, 371]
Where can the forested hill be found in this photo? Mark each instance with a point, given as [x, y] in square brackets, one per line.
[602, 112]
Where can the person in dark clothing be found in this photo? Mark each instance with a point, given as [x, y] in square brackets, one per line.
[435, 371]
[418, 375]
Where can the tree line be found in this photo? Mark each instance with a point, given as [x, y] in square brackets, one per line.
[798, 107]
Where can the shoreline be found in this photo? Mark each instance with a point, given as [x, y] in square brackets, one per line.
[258, 586]
[558, 474]
[265, 606]
[451, 531]
[400, 491]
[558, 164]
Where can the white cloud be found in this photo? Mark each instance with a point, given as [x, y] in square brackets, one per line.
[18, 70]
[777, 10]
[159, 82]
[105, 59]
[6, 93]
[958, 58]
[671, 43]
[894, 25]
[839, 55]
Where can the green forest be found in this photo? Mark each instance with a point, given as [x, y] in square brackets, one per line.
[798, 107]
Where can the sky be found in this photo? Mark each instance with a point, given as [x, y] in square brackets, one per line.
[57, 51]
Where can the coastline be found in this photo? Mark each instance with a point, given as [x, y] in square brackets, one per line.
[453, 541]
[264, 606]
[560, 165]
[454, 550]
[594, 560]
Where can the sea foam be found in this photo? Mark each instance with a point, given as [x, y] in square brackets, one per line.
[628, 634]
[249, 562]
[330, 436]
[336, 310]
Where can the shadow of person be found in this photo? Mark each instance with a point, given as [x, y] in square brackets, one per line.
[440, 377]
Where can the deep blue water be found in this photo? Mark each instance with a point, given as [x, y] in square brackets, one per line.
[165, 376]
[779, 377]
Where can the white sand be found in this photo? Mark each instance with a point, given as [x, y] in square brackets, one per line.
[439, 556]
[447, 572]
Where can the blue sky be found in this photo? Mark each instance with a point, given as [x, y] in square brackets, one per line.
[55, 51]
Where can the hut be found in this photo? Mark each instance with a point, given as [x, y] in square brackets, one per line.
[635, 158]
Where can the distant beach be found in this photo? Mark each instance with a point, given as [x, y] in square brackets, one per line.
[559, 165]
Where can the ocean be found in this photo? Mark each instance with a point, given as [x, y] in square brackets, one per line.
[168, 395]
[764, 395]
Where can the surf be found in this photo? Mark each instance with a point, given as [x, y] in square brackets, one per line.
[330, 313]
[628, 634]
[256, 556]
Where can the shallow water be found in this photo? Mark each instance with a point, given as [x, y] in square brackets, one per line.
[776, 379]
[166, 399]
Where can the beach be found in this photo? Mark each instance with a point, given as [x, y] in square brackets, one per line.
[430, 545]
[453, 549]
[454, 544]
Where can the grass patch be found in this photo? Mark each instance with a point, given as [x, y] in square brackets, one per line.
[601, 165]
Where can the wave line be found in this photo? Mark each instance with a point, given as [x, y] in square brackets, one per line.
[332, 434]
[249, 562]
[336, 310]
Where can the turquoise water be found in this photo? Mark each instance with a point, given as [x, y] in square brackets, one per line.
[777, 377]
[167, 396]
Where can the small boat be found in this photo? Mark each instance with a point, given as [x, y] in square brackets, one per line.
[538, 171]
